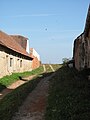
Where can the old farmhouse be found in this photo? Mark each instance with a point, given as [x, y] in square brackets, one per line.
[81, 52]
[14, 54]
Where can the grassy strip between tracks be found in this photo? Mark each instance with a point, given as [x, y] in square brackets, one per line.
[9, 79]
[69, 96]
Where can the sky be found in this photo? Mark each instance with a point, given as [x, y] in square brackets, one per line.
[50, 25]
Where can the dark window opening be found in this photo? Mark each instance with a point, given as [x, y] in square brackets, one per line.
[11, 62]
[20, 63]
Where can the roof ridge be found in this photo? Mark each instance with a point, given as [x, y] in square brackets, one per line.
[18, 36]
[10, 43]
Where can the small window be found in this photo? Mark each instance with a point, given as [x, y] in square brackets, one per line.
[20, 63]
[11, 61]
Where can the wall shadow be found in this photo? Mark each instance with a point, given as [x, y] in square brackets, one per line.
[2, 87]
[21, 78]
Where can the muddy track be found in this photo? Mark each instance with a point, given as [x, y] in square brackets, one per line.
[34, 106]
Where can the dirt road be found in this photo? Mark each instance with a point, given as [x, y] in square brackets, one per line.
[34, 106]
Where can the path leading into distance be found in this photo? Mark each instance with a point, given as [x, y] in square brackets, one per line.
[34, 106]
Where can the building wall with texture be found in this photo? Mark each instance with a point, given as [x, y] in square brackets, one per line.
[81, 53]
[12, 62]
[36, 58]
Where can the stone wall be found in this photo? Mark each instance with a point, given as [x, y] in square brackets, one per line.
[81, 53]
[12, 62]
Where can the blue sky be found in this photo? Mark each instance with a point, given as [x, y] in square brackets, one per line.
[50, 25]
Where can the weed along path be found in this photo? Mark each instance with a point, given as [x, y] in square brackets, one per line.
[14, 86]
[34, 106]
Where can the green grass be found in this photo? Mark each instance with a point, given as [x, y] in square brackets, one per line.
[69, 96]
[56, 66]
[11, 102]
[48, 68]
[9, 79]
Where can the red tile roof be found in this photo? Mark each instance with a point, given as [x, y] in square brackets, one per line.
[21, 40]
[8, 41]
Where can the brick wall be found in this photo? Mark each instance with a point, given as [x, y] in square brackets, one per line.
[35, 63]
[36, 58]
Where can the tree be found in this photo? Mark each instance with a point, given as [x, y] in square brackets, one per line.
[65, 60]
